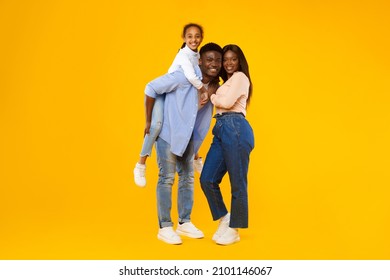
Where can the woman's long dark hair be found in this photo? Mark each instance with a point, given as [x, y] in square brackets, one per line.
[243, 66]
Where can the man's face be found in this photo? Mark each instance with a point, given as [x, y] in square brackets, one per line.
[210, 64]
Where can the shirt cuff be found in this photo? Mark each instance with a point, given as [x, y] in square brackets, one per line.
[150, 92]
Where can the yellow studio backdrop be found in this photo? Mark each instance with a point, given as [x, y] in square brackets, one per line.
[72, 75]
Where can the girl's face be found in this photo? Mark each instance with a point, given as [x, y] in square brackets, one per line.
[193, 38]
[231, 62]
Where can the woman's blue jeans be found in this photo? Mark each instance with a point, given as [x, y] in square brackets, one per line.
[155, 126]
[229, 152]
[168, 164]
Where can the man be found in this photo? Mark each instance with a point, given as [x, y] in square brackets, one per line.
[185, 125]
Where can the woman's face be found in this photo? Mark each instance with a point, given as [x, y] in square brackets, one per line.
[193, 38]
[231, 62]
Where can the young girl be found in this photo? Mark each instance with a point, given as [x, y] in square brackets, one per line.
[187, 59]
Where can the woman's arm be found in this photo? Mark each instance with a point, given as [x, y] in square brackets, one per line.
[232, 90]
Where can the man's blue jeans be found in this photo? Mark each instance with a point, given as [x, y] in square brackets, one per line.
[168, 164]
[229, 152]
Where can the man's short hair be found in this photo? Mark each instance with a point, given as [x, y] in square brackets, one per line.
[210, 47]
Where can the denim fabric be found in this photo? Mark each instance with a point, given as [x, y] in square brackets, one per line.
[168, 164]
[155, 126]
[229, 152]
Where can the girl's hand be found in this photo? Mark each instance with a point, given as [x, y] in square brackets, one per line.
[203, 98]
[147, 128]
[212, 88]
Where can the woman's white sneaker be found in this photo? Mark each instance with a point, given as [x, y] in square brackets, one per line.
[230, 236]
[168, 235]
[222, 227]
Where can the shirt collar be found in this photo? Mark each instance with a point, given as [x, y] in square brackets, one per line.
[187, 50]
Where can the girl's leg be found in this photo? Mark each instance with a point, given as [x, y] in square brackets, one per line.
[155, 128]
[149, 140]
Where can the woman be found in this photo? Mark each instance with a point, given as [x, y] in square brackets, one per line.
[229, 152]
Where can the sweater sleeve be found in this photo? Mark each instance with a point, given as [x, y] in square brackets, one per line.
[231, 91]
[189, 71]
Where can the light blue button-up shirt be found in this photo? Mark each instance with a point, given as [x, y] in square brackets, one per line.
[182, 120]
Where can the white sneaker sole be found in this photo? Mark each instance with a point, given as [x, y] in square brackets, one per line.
[237, 239]
[215, 237]
[162, 238]
[196, 236]
[140, 185]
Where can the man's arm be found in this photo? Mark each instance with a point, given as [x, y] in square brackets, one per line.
[165, 84]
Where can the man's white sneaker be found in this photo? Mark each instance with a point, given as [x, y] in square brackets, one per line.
[222, 227]
[139, 175]
[198, 165]
[229, 237]
[188, 229]
[168, 235]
